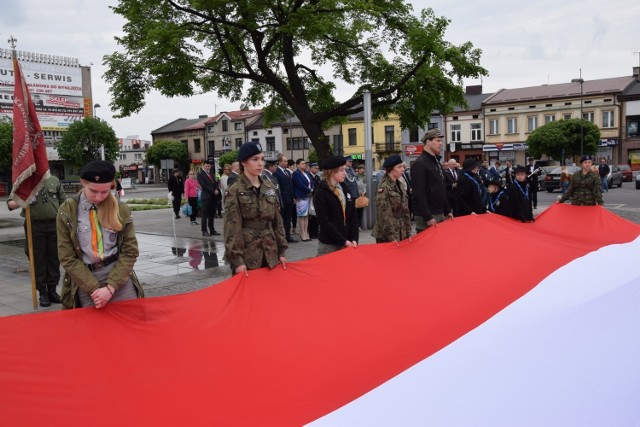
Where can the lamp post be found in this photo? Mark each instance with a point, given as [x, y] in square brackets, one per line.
[96, 106]
[581, 81]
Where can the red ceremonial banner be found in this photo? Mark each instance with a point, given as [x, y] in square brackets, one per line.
[30, 166]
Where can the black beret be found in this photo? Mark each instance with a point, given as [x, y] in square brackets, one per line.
[333, 162]
[433, 133]
[495, 181]
[469, 164]
[98, 171]
[348, 158]
[391, 161]
[520, 169]
[585, 158]
[249, 149]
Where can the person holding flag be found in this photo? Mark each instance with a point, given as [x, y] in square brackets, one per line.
[97, 243]
[34, 189]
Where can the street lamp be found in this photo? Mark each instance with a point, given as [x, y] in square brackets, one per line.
[581, 81]
[96, 106]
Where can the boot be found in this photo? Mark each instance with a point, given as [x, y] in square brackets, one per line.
[53, 295]
[44, 298]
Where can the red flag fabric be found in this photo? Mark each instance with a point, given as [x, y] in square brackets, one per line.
[30, 166]
[287, 347]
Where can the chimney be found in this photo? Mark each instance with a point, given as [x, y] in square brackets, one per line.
[636, 73]
[473, 90]
[203, 116]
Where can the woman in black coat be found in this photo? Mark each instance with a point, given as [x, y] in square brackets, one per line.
[335, 209]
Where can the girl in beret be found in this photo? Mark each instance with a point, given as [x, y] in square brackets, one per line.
[393, 219]
[584, 188]
[335, 209]
[97, 244]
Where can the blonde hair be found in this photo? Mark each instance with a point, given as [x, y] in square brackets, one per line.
[108, 209]
[327, 173]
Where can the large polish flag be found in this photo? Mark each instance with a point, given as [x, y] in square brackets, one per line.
[480, 321]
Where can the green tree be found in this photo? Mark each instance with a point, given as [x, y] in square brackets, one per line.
[81, 143]
[166, 149]
[313, 156]
[561, 139]
[6, 144]
[228, 158]
[275, 52]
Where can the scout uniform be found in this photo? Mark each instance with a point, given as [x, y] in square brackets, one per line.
[253, 229]
[393, 222]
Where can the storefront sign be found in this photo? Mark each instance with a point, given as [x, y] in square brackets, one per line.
[413, 149]
[505, 147]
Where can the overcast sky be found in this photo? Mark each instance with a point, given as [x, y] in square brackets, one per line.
[523, 44]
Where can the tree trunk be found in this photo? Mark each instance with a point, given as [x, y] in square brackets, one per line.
[320, 142]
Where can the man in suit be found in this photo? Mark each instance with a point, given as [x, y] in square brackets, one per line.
[313, 219]
[210, 190]
[267, 174]
[283, 175]
[235, 172]
[533, 171]
[451, 175]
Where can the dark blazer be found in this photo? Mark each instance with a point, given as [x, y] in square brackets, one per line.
[334, 228]
[301, 186]
[176, 186]
[208, 186]
[286, 185]
[233, 177]
[429, 189]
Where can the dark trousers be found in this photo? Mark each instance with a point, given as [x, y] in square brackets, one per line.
[533, 192]
[285, 211]
[45, 253]
[176, 204]
[208, 211]
[313, 226]
[219, 205]
[294, 215]
[193, 201]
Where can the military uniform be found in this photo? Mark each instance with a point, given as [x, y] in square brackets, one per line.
[584, 190]
[393, 221]
[253, 229]
[43, 210]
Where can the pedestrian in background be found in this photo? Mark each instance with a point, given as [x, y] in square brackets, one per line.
[533, 172]
[209, 190]
[603, 172]
[429, 188]
[451, 176]
[584, 189]
[43, 211]
[302, 190]
[226, 172]
[335, 209]
[254, 234]
[97, 243]
[519, 194]
[565, 179]
[362, 191]
[191, 188]
[393, 218]
[176, 188]
[313, 219]
[283, 175]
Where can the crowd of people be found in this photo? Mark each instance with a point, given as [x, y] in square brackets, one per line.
[263, 204]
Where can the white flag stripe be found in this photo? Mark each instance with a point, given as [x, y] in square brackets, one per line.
[565, 354]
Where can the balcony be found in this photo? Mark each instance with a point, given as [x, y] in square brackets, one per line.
[388, 147]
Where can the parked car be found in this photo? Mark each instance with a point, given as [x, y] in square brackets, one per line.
[627, 173]
[544, 171]
[638, 182]
[615, 176]
[552, 179]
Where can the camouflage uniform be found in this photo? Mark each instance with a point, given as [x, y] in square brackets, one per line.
[584, 190]
[393, 221]
[253, 230]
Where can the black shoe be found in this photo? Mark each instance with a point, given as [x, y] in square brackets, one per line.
[206, 233]
[178, 217]
[292, 240]
[53, 295]
[215, 233]
[44, 299]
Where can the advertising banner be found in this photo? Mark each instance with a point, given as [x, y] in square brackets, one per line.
[55, 112]
[43, 78]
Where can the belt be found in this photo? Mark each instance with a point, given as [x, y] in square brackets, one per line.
[102, 264]
[256, 225]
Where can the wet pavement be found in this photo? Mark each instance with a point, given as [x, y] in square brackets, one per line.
[169, 263]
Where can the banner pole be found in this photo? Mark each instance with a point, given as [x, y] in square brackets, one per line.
[34, 295]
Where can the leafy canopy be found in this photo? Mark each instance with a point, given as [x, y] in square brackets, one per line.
[81, 143]
[228, 158]
[561, 139]
[289, 55]
[166, 150]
